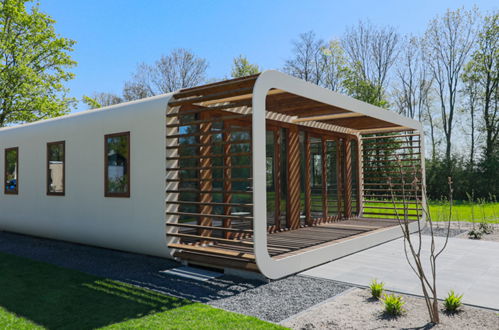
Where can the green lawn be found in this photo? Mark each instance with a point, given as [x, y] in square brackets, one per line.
[461, 211]
[36, 295]
[488, 212]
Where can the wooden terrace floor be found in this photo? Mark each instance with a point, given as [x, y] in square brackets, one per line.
[283, 244]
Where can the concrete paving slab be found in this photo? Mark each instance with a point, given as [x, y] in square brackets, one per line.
[466, 266]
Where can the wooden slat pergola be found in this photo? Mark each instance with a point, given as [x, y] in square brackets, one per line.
[269, 173]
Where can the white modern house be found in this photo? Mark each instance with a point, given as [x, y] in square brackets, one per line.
[265, 173]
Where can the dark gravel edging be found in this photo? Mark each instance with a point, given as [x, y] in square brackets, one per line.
[442, 232]
[135, 269]
[274, 301]
[278, 300]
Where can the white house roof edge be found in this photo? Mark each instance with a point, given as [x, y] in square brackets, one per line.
[90, 112]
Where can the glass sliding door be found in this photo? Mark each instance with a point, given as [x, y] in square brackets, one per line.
[316, 175]
[270, 177]
[332, 178]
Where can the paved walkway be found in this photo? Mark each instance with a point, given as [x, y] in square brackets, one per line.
[467, 266]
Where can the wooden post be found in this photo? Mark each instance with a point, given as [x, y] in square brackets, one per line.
[205, 174]
[227, 183]
[308, 191]
[339, 176]
[360, 177]
[277, 178]
[348, 178]
[293, 168]
[324, 180]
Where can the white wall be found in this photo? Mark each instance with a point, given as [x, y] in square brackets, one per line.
[84, 215]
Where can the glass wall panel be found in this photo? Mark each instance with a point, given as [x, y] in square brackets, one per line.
[189, 174]
[355, 177]
[217, 172]
[241, 168]
[316, 177]
[332, 178]
[303, 170]
[284, 177]
[270, 176]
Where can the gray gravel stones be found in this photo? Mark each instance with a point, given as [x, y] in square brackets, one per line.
[442, 231]
[281, 299]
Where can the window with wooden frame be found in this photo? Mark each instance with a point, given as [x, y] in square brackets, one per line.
[117, 165]
[11, 171]
[56, 168]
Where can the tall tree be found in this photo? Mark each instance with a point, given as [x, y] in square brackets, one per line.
[471, 93]
[412, 91]
[483, 69]
[180, 69]
[307, 62]
[414, 83]
[33, 64]
[447, 44]
[335, 66]
[241, 67]
[372, 51]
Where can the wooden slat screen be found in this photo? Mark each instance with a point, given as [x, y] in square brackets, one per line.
[391, 173]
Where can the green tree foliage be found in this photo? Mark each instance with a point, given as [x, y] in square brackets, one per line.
[99, 100]
[241, 67]
[91, 102]
[33, 65]
[483, 69]
[364, 90]
[335, 66]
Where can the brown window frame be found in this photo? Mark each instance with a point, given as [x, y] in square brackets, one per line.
[16, 191]
[49, 193]
[106, 191]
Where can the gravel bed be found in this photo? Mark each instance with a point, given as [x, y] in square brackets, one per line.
[442, 232]
[357, 310]
[281, 299]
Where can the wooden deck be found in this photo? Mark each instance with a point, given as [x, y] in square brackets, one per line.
[239, 253]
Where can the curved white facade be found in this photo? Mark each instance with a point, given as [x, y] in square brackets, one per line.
[83, 214]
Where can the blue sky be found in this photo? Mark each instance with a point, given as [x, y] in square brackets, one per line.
[113, 36]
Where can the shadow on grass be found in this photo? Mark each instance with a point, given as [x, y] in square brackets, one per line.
[56, 297]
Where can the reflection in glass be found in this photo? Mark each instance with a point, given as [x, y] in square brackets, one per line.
[55, 155]
[316, 172]
[332, 178]
[270, 177]
[117, 149]
[11, 170]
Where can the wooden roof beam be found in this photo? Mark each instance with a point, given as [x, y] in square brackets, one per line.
[385, 129]
[238, 98]
[329, 117]
[237, 83]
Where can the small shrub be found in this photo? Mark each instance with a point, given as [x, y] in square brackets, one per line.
[376, 288]
[475, 234]
[393, 304]
[486, 228]
[452, 302]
